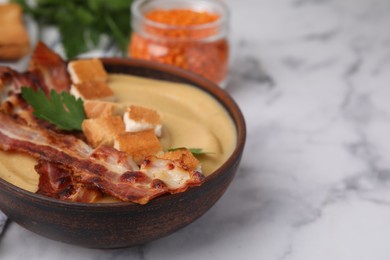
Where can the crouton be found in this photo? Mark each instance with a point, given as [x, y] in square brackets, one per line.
[138, 145]
[102, 130]
[139, 118]
[92, 90]
[96, 108]
[14, 39]
[87, 70]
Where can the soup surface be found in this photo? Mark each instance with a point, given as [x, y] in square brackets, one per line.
[190, 117]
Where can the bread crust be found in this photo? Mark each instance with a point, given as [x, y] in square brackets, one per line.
[87, 70]
[102, 130]
[14, 40]
[97, 108]
[138, 145]
[92, 90]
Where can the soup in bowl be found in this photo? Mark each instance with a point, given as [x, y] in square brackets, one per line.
[194, 113]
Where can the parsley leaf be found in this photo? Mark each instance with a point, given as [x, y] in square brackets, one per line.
[82, 22]
[194, 151]
[62, 110]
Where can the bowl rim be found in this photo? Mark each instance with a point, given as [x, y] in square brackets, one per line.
[201, 83]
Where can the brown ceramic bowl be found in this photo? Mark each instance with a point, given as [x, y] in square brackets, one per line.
[117, 225]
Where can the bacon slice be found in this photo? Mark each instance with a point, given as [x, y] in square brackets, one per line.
[47, 70]
[56, 182]
[112, 171]
[11, 102]
[173, 173]
[12, 81]
[50, 68]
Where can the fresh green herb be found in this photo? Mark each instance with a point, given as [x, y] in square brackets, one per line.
[82, 22]
[194, 151]
[62, 110]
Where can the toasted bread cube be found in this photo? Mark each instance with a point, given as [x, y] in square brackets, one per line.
[87, 70]
[139, 118]
[184, 156]
[97, 108]
[102, 130]
[138, 145]
[14, 39]
[92, 90]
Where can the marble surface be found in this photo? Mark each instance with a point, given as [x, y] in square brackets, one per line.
[312, 79]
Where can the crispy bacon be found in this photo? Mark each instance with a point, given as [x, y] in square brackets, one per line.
[11, 102]
[47, 70]
[11, 82]
[50, 69]
[56, 182]
[53, 181]
[108, 172]
[173, 173]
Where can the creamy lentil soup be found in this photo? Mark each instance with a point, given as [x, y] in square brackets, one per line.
[191, 118]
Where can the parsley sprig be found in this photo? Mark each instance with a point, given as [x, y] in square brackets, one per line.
[82, 22]
[63, 110]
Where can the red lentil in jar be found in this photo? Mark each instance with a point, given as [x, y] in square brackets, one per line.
[190, 34]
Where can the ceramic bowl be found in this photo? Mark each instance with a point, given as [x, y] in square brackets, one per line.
[119, 224]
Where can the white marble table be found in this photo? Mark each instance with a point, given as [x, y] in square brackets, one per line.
[313, 80]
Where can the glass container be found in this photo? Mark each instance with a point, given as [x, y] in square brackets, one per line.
[190, 34]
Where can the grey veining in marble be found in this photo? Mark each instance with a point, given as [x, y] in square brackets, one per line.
[312, 79]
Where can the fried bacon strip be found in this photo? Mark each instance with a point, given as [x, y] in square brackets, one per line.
[47, 70]
[112, 171]
[56, 182]
[175, 174]
[50, 68]
[11, 102]
[11, 81]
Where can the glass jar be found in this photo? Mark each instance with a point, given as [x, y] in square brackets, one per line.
[190, 34]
